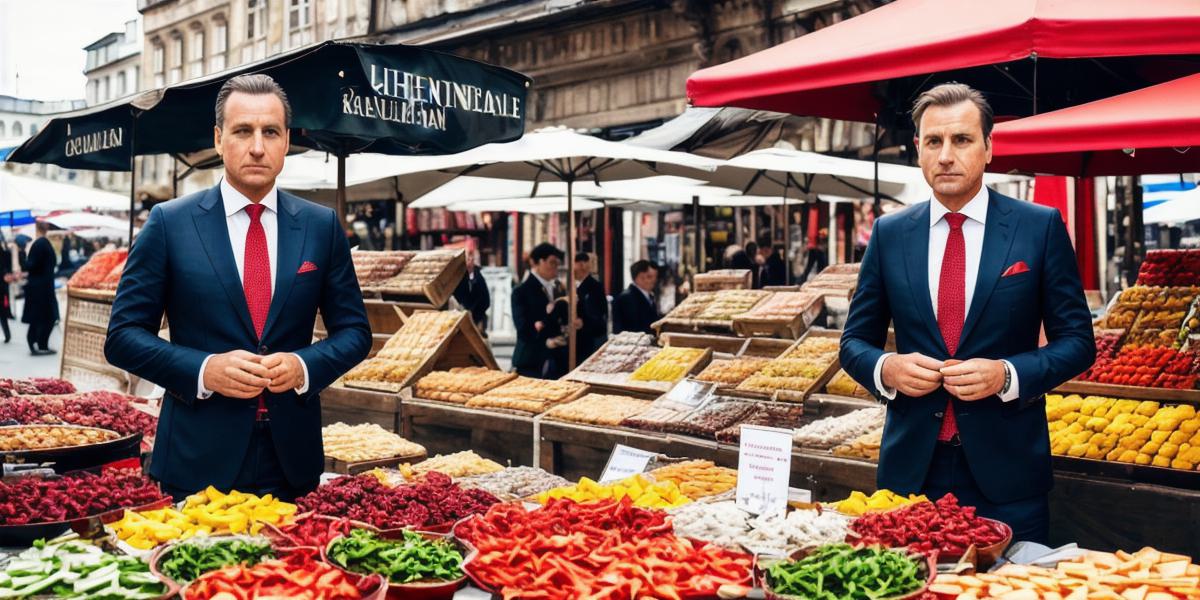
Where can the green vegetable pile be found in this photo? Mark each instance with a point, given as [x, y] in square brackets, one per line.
[842, 572]
[186, 562]
[413, 558]
[73, 569]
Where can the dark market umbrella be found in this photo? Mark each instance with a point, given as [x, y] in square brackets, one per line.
[345, 97]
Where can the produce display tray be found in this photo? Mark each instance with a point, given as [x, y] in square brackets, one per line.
[1129, 391]
[333, 465]
[354, 406]
[75, 458]
[445, 428]
[725, 344]
[765, 347]
[723, 279]
[462, 346]
[784, 395]
[437, 291]
[793, 328]
[1130, 472]
[90, 294]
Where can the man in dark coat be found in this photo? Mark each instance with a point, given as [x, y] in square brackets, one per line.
[41, 304]
[592, 306]
[472, 293]
[539, 335]
[635, 309]
[774, 269]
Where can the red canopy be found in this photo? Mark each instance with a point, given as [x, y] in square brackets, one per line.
[1159, 125]
[843, 71]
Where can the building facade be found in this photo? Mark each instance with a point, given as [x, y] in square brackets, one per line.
[21, 118]
[113, 69]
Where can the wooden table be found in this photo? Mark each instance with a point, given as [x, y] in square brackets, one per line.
[445, 428]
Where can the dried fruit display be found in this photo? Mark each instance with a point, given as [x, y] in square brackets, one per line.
[1152, 315]
[1148, 366]
[858, 503]
[368, 441]
[864, 446]
[783, 306]
[530, 395]
[28, 500]
[432, 501]
[834, 281]
[732, 371]
[784, 415]
[722, 279]
[372, 267]
[691, 307]
[598, 409]
[697, 478]
[826, 433]
[728, 303]
[1129, 431]
[107, 410]
[724, 524]
[797, 369]
[92, 274]
[942, 526]
[843, 384]
[514, 482]
[407, 349]
[656, 418]
[642, 491]
[459, 384]
[1170, 267]
[668, 364]
[20, 438]
[35, 386]
[623, 353]
[459, 464]
[422, 269]
[714, 416]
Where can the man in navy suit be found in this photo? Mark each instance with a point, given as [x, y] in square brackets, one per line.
[634, 309]
[240, 270]
[968, 279]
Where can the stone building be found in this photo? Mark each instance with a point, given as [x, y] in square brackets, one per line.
[21, 118]
[113, 68]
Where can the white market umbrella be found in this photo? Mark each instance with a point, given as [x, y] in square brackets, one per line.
[367, 176]
[18, 192]
[86, 220]
[668, 189]
[1181, 207]
[537, 206]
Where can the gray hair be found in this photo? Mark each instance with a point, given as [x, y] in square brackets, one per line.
[949, 94]
[253, 83]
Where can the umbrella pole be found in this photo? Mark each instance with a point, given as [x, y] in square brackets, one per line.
[696, 241]
[132, 178]
[787, 234]
[570, 276]
[340, 198]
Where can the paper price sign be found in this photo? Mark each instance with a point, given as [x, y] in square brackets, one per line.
[625, 462]
[764, 468]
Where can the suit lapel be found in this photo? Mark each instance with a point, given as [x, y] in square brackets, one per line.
[997, 242]
[209, 218]
[291, 240]
[916, 263]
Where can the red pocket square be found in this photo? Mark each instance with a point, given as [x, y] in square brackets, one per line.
[1016, 269]
[306, 267]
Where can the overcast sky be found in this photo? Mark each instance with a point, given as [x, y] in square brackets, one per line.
[43, 41]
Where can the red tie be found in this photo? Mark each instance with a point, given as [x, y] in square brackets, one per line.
[952, 300]
[256, 279]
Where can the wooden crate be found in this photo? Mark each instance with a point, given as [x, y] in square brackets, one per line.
[333, 465]
[717, 343]
[660, 387]
[575, 450]
[463, 346]
[356, 406]
[722, 279]
[793, 395]
[444, 428]
[438, 290]
[746, 325]
[1131, 392]
[89, 294]
[765, 347]
[819, 406]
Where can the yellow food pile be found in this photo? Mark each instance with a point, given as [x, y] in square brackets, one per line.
[643, 492]
[1129, 431]
[698, 478]
[209, 512]
[858, 503]
[670, 364]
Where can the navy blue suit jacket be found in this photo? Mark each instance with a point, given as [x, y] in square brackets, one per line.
[183, 264]
[1006, 443]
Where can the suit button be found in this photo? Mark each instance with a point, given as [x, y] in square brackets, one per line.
[939, 414]
[262, 349]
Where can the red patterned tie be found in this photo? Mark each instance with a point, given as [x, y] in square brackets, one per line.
[256, 279]
[952, 300]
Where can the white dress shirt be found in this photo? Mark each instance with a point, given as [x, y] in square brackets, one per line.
[547, 284]
[238, 222]
[939, 231]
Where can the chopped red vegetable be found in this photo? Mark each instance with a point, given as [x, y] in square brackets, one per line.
[943, 526]
[316, 530]
[598, 550]
[297, 575]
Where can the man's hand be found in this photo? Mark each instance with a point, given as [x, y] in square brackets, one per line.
[913, 375]
[285, 371]
[974, 379]
[236, 374]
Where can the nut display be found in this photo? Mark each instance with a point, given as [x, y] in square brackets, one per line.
[598, 409]
[783, 306]
[774, 414]
[732, 371]
[697, 478]
[865, 446]
[669, 364]
[714, 416]
[19, 438]
[722, 279]
[728, 303]
[797, 369]
[530, 395]
[843, 384]
[1129, 431]
[514, 482]
[364, 442]
[691, 307]
[407, 349]
[656, 418]
[724, 524]
[826, 433]
[371, 267]
[623, 353]
[459, 464]
[459, 384]
[422, 269]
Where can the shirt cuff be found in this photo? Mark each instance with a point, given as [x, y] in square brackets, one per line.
[303, 389]
[887, 393]
[1014, 389]
[203, 393]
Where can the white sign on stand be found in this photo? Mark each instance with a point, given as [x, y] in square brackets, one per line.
[764, 468]
[625, 462]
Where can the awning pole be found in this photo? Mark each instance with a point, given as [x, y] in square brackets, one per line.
[340, 199]
[787, 234]
[132, 177]
[570, 260]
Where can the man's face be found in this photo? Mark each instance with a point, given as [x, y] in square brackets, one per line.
[253, 141]
[952, 150]
[646, 279]
[547, 268]
[581, 270]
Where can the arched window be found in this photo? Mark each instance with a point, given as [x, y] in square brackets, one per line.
[18, 131]
[3, 130]
[33, 129]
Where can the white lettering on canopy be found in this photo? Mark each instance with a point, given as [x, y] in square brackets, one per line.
[443, 93]
[96, 141]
